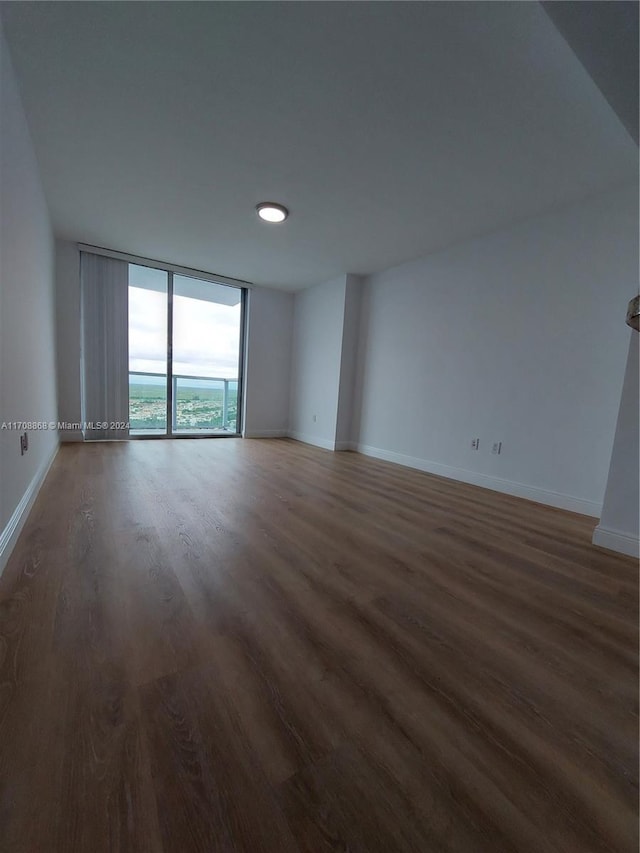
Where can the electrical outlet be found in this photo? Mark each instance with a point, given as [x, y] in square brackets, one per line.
[475, 443]
[497, 447]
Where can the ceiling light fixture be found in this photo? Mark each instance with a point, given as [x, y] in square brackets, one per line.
[272, 212]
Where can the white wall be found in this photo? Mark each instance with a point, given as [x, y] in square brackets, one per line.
[268, 362]
[618, 528]
[27, 348]
[515, 337]
[316, 354]
[348, 361]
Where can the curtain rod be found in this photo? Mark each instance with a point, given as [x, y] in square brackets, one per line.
[162, 265]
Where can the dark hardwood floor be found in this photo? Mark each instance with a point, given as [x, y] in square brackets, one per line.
[261, 646]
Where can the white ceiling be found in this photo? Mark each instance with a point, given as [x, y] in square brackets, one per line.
[389, 129]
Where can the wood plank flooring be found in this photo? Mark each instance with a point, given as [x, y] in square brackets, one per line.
[260, 646]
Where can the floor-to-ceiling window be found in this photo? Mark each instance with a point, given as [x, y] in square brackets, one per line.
[148, 319]
[185, 354]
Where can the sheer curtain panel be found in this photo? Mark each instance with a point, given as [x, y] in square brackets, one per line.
[104, 284]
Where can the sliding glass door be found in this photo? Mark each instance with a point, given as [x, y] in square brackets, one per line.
[185, 355]
[148, 318]
[205, 356]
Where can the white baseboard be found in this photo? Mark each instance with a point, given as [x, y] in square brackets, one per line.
[311, 439]
[496, 484]
[266, 433]
[9, 535]
[615, 540]
[343, 445]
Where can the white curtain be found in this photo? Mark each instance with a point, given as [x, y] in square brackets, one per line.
[104, 285]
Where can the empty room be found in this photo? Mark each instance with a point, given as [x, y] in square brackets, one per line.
[319, 427]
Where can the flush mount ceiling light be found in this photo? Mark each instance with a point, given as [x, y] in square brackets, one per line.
[272, 212]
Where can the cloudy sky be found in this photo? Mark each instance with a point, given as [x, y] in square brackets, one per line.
[206, 335]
